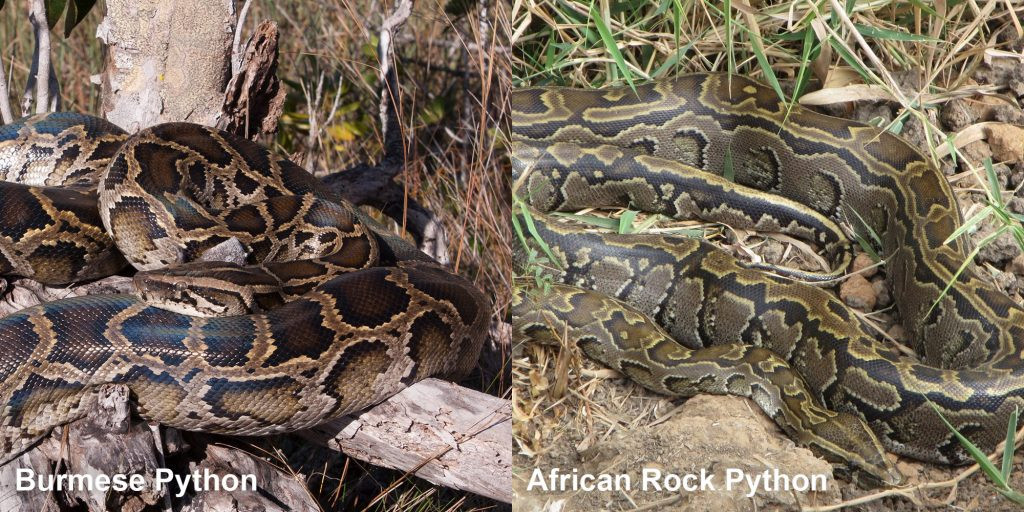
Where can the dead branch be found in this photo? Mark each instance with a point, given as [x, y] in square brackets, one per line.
[443, 433]
[236, 51]
[254, 99]
[41, 76]
[375, 185]
[5, 97]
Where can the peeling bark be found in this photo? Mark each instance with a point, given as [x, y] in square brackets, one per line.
[254, 99]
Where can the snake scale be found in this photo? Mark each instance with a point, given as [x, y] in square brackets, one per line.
[330, 315]
[682, 317]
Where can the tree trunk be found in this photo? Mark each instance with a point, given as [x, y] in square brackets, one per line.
[165, 61]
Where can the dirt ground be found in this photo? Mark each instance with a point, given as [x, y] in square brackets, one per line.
[572, 413]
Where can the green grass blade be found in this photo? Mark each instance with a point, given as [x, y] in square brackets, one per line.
[1012, 495]
[871, 232]
[534, 233]
[969, 223]
[626, 222]
[728, 171]
[993, 184]
[611, 45]
[980, 457]
[801, 74]
[894, 35]
[594, 220]
[1011, 431]
[967, 261]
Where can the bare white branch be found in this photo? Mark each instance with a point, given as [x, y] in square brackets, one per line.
[41, 71]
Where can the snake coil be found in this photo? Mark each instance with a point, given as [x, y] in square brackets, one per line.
[364, 313]
[681, 317]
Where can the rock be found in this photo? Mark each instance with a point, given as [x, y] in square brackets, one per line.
[882, 295]
[871, 113]
[1007, 114]
[976, 152]
[714, 434]
[898, 333]
[956, 115]
[1016, 265]
[858, 293]
[863, 261]
[999, 250]
[1007, 142]
[1007, 281]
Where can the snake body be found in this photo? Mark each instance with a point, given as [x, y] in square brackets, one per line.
[617, 147]
[364, 314]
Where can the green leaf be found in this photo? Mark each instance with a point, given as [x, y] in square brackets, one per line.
[766, 67]
[728, 171]
[531, 228]
[1012, 495]
[895, 35]
[626, 222]
[952, 150]
[976, 454]
[1011, 431]
[54, 8]
[993, 184]
[610, 44]
[967, 261]
[850, 59]
[801, 76]
[594, 220]
[970, 223]
[871, 232]
[926, 8]
[648, 222]
[77, 11]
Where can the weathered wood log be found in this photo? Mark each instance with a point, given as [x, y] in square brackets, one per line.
[443, 433]
[278, 491]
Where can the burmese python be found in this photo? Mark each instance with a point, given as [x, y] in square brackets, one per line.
[646, 149]
[363, 314]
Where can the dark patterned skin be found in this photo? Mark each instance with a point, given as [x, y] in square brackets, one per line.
[364, 313]
[968, 337]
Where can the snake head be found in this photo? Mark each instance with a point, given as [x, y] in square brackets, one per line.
[209, 288]
[847, 441]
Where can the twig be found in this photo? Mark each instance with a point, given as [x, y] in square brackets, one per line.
[394, 148]
[5, 97]
[236, 52]
[40, 59]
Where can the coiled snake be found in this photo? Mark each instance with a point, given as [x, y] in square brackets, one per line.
[724, 327]
[364, 314]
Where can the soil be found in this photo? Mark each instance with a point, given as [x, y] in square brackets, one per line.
[572, 413]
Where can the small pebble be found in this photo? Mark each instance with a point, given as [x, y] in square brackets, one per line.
[863, 261]
[881, 291]
[858, 293]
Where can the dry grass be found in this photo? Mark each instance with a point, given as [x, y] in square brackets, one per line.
[453, 69]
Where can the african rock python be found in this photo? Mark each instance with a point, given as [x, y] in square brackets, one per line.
[613, 147]
[363, 315]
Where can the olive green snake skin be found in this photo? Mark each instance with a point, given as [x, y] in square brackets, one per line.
[682, 317]
[326, 316]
